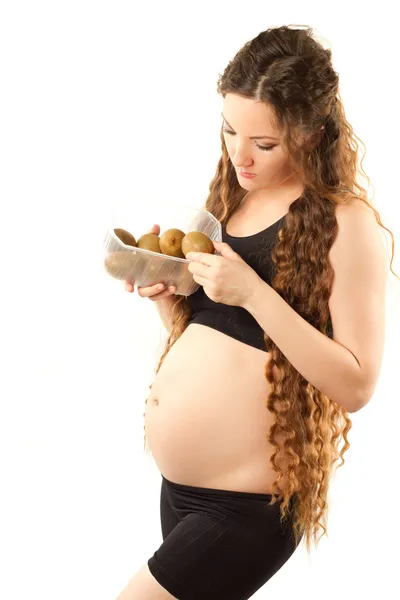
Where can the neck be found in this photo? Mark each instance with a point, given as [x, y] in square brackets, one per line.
[273, 196]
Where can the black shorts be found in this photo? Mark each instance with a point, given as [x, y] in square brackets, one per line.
[218, 544]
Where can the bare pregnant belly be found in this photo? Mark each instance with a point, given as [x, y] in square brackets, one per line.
[206, 418]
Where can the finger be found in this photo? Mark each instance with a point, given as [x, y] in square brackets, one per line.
[155, 292]
[204, 258]
[151, 290]
[165, 294]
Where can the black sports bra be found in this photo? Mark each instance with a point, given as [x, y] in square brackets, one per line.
[236, 321]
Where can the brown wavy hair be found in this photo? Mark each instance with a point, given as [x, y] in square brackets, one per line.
[289, 70]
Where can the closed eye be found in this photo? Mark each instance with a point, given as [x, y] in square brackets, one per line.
[258, 145]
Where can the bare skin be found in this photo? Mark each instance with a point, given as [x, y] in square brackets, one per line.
[206, 419]
[143, 586]
[230, 462]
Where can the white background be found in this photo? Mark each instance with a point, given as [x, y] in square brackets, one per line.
[106, 106]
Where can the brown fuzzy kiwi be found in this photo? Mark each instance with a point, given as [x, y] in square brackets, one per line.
[120, 264]
[170, 243]
[125, 237]
[196, 241]
[149, 241]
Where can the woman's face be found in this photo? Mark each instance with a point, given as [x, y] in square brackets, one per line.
[243, 119]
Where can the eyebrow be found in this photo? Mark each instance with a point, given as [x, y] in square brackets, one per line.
[254, 137]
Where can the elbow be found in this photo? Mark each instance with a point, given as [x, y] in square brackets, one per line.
[355, 393]
[365, 388]
[362, 398]
[353, 408]
[352, 404]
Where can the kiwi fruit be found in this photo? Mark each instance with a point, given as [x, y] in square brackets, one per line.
[120, 264]
[125, 237]
[149, 241]
[170, 243]
[196, 241]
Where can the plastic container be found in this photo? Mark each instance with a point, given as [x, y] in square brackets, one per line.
[145, 267]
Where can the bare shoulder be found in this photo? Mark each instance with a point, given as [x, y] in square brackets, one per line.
[355, 217]
[354, 205]
[357, 228]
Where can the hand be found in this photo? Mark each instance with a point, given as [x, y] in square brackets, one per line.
[153, 292]
[227, 278]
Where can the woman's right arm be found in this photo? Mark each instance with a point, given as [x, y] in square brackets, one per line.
[164, 307]
[162, 298]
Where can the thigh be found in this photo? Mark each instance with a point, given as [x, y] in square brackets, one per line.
[143, 585]
[225, 545]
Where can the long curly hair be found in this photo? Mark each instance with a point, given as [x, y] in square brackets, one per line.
[289, 70]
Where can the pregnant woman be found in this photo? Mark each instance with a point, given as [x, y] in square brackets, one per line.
[249, 409]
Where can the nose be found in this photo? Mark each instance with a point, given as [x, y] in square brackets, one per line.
[241, 159]
[242, 165]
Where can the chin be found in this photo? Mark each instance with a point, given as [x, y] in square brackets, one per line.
[246, 182]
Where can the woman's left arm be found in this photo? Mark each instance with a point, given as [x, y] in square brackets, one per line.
[346, 368]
